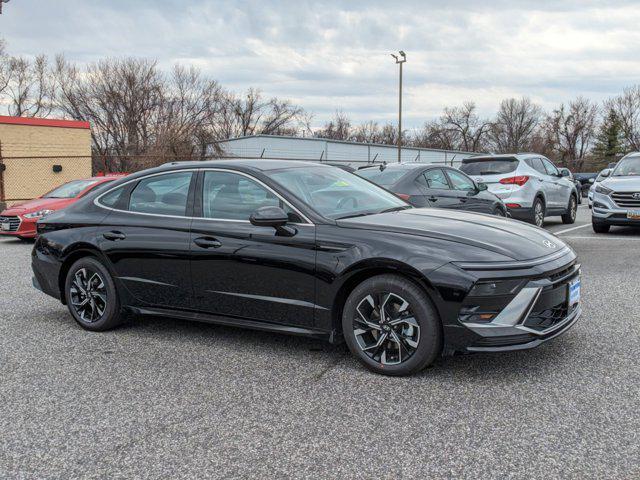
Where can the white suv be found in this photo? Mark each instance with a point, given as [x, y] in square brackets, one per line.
[616, 198]
[530, 185]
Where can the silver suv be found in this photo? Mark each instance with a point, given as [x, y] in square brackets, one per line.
[616, 199]
[530, 185]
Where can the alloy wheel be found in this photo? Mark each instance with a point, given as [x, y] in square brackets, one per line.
[386, 329]
[88, 295]
[539, 214]
[573, 208]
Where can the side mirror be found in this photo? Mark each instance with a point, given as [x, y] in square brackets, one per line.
[565, 173]
[273, 217]
[482, 186]
[269, 217]
[606, 172]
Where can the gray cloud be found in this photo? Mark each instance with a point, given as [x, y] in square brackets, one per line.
[329, 55]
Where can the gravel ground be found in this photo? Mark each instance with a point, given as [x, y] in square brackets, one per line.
[163, 398]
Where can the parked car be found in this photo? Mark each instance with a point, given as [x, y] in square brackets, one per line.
[586, 180]
[616, 198]
[342, 166]
[568, 174]
[429, 185]
[530, 185]
[19, 220]
[601, 176]
[307, 249]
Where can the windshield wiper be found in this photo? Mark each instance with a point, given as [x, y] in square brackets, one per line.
[396, 209]
[357, 215]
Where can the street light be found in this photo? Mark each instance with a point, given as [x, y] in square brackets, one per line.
[1, 2]
[400, 61]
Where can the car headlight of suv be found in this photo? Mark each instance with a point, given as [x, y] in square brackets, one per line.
[603, 190]
[503, 287]
[38, 214]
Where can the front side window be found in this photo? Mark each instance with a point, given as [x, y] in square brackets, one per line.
[436, 178]
[162, 194]
[70, 189]
[550, 167]
[460, 181]
[231, 196]
[335, 193]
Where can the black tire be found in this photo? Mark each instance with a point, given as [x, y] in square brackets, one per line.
[572, 210]
[499, 212]
[600, 227]
[417, 327]
[537, 213]
[101, 310]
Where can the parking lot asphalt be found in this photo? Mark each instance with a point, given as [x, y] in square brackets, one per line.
[168, 398]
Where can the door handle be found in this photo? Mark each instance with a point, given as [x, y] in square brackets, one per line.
[113, 235]
[207, 242]
[463, 199]
[433, 198]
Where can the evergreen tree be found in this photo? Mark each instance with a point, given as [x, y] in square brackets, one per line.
[609, 140]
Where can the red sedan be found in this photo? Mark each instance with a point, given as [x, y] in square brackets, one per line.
[20, 219]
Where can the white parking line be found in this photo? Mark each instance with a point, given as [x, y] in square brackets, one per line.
[571, 229]
[601, 237]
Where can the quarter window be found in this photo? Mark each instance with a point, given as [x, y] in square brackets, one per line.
[230, 196]
[112, 198]
[435, 178]
[460, 181]
[162, 194]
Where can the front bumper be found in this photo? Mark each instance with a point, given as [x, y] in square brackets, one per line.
[26, 227]
[539, 312]
[605, 211]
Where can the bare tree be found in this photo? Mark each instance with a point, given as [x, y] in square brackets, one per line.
[571, 130]
[627, 108]
[254, 115]
[27, 85]
[515, 124]
[459, 128]
[338, 128]
[4, 68]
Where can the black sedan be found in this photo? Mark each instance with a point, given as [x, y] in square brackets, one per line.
[311, 250]
[428, 185]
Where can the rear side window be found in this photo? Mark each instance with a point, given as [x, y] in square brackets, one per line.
[386, 177]
[162, 194]
[537, 165]
[435, 178]
[112, 198]
[488, 166]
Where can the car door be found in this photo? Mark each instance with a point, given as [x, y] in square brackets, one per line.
[437, 189]
[540, 178]
[247, 271]
[559, 186]
[146, 237]
[469, 197]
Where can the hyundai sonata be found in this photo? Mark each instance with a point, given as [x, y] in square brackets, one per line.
[307, 249]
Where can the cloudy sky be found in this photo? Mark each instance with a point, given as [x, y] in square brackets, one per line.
[334, 55]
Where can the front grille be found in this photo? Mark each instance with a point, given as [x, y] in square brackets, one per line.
[504, 340]
[558, 275]
[626, 199]
[14, 223]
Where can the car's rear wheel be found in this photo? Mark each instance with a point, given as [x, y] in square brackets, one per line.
[537, 213]
[91, 295]
[391, 326]
[572, 210]
[600, 227]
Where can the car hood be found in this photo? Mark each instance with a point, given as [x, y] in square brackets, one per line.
[36, 205]
[622, 184]
[509, 238]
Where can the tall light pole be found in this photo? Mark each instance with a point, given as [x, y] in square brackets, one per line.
[1, 2]
[399, 61]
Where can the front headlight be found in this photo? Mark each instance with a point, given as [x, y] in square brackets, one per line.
[38, 214]
[603, 190]
[503, 287]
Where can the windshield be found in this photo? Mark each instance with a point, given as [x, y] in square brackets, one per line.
[334, 193]
[70, 190]
[628, 167]
[488, 166]
[386, 177]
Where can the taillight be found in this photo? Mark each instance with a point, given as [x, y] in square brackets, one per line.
[403, 196]
[519, 180]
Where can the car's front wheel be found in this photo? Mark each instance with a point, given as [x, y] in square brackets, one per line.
[391, 326]
[600, 227]
[91, 295]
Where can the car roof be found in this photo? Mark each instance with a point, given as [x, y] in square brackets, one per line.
[405, 166]
[502, 156]
[246, 163]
